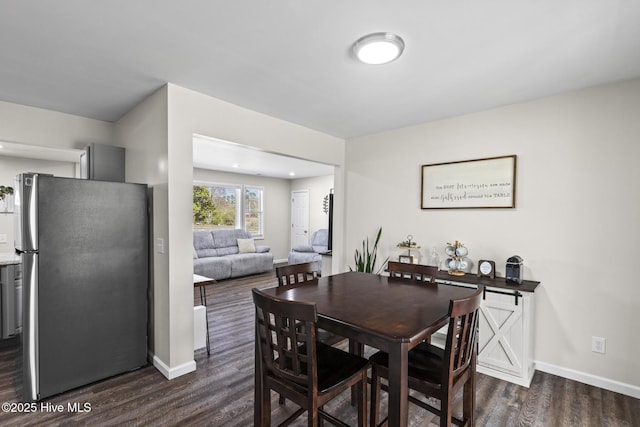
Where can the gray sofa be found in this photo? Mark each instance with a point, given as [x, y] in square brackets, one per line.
[217, 255]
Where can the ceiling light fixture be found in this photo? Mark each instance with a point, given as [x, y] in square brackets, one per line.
[378, 48]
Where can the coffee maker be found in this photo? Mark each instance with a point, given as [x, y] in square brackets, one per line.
[514, 269]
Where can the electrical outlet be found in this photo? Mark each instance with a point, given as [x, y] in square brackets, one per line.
[3, 238]
[160, 245]
[598, 345]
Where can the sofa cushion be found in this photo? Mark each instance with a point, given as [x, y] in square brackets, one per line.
[203, 243]
[218, 268]
[232, 250]
[245, 264]
[228, 238]
[319, 249]
[304, 257]
[202, 239]
[320, 238]
[262, 249]
[246, 246]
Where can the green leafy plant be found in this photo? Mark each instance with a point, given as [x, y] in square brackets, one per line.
[365, 260]
[5, 191]
[203, 206]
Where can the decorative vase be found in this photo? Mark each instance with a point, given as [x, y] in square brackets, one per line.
[6, 203]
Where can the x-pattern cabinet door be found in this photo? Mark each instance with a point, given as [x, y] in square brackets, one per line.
[505, 335]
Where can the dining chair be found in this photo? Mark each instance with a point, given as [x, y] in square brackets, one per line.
[436, 372]
[296, 273]
[296, 365]
[419, 272]
[415, 272]
[304, 273]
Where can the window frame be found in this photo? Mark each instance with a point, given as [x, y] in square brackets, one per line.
[259, 212]
[241, 208]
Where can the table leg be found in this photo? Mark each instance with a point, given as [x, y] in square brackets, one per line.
[355, 348]
[203, 300]
[398, 385]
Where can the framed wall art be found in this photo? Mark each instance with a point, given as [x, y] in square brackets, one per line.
[481, 183]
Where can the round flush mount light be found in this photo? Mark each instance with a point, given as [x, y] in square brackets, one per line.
[378, 48]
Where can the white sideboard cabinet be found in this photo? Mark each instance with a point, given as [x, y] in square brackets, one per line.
[505, 337]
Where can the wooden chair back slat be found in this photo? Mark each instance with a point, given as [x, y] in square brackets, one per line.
[462, 334]
[287, 338]
[296, 273]
[416, 272]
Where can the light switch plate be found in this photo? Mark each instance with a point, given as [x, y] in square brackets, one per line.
[3, 238]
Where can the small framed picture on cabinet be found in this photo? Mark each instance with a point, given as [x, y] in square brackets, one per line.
[406, 259]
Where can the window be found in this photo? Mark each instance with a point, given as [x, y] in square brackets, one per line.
[253, 210]
[228, 206]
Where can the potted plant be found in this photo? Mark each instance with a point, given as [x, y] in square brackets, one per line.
[365, 260]
[4, 192]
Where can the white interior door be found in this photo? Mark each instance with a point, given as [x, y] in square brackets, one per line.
[299, 217]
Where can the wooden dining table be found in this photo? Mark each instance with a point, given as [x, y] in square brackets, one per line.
[389, 314]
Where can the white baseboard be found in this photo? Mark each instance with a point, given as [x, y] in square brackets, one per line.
[524, 382]
[278, 261]
[171, 373]
[605, 383]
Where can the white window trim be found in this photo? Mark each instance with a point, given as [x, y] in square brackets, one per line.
[240, 190]
[261, 211]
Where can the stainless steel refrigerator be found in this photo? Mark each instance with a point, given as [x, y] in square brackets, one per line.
[84, 253]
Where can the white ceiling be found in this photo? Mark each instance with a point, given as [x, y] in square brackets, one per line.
[210, 153]
[291, 59]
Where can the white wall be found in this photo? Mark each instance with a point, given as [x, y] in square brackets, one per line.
[575, 222]
[9, 168]
[143, 132]
[318, 187]
[276, 205]
[35, 126]
[192, 113]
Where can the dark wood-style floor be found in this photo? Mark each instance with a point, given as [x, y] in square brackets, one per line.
[220, 392]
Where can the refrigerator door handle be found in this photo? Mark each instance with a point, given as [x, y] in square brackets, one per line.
[26, 212]
[30, 354]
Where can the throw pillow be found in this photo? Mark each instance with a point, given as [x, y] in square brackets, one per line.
[246, 246]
